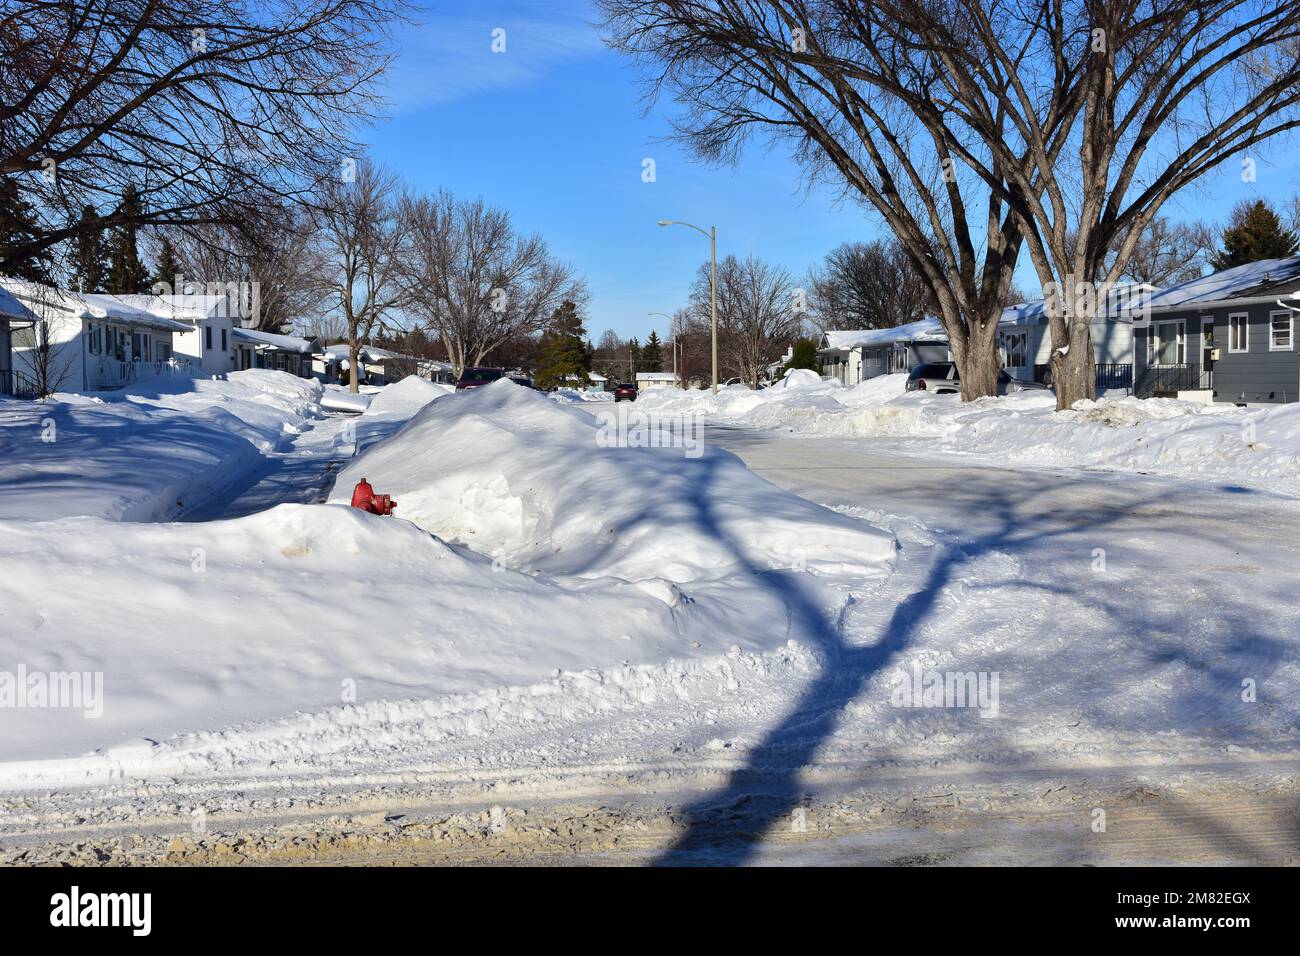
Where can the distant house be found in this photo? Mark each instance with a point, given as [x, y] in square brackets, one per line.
[281, 353]
[597, 381]
[208, 340]
[378, 366]
[1229, 336]
[87, 342]
[655, 380]
[13, 315]
[435, 371]
[856, 355]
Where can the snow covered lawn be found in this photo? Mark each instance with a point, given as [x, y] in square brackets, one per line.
[1257, 447]
[140, 455]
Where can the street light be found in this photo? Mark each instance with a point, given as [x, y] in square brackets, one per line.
[712, 236]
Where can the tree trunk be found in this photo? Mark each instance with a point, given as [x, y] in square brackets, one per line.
[1074, 372]
[979, 373]
[354, 351]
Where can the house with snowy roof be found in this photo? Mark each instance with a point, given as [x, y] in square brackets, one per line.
[1229, 336]
[85, 342]
[855, 355]
[254, 348]
[207, 341]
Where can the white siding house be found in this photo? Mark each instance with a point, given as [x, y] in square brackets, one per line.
[86, 342]
[655, 380]
[208, 340]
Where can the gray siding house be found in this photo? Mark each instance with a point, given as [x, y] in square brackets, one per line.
[1230, 336]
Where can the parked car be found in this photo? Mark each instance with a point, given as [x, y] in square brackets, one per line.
[942, 379]
[938, 377]
[476, 377]
[625, 393]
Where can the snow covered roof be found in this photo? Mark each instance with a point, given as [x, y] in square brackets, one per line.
[182, 308]
[591, 376]
[921, 330]
[11, 308]
[286, 343]
[655, 377]
[88, 305]
[367, 353]
[1254, 279]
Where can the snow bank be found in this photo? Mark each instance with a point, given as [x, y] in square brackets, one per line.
[142, 455]
[194, 627]
[338, 399]
[1159, 436]
[407, 396]
[517, 476]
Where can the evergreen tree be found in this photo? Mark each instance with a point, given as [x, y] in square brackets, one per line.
[1254, 232]
[126, 272]
[805, 356]
[169, 267]
[89, 265]
[563, 349]
[652, 359]
[18, 229]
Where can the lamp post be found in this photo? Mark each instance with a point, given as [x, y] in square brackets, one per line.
[712, 235]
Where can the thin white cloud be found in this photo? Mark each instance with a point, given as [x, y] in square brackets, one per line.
[448, 60]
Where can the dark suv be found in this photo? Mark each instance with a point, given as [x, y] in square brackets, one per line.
[475, 377]
[625, 393]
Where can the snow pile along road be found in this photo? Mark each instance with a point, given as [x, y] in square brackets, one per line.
[544, 486]
[146, 455]
[1159, 436]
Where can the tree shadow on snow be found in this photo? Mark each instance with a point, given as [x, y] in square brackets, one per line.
[726, 827]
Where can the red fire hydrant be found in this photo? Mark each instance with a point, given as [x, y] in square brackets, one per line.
[364, 497]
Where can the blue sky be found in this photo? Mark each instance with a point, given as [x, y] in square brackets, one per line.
[553, 130]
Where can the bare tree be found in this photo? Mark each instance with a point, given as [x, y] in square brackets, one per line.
[1169, 253]
[478, 282]
[364, 235]
[867, 286]
[757, 318]
[270, 258]
[976, 128]
[207, 107]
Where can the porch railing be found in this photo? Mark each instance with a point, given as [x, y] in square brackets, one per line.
[14, 384]
[1166, 381]
[115, 374]
[1110, 375]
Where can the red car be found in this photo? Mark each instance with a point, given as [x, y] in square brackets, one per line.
[476, 377]
[625, 393]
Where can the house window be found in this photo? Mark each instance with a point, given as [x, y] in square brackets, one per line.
[1238, 333]
[207, 338]
[1017, 349]
[225, 342]
[96, 339]
[1167, 344]
[1279, 326]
